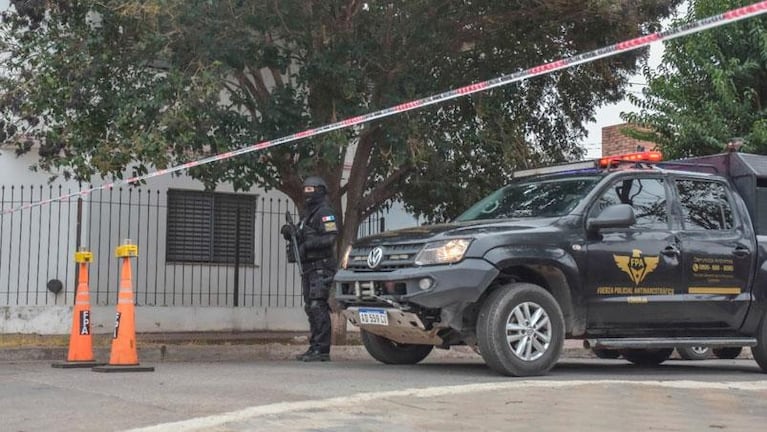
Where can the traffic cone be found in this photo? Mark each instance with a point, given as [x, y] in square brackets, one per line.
[81, 339]
[124, 357]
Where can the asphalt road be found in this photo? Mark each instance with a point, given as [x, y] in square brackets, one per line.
[355, 393]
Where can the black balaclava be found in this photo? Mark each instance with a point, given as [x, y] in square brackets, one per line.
[314, 199]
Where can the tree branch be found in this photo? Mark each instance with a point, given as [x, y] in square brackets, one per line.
[291, 186]
[359, 170]
[352, 9]
[384, 190]
[232, 87]
[258, 80]
[247, 84]
[281, 17]
[277, 76]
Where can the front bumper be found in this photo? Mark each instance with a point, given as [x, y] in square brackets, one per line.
[402, 327]
[451, 284]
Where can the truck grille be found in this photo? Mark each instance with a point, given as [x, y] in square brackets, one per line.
[394, 257]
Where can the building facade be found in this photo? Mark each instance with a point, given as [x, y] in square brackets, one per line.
[207, 260]
[615, 142]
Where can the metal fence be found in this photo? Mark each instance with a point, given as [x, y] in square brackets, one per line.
[37, 247]
[31, 242]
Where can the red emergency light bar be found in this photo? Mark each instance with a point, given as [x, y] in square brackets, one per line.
[645, 156]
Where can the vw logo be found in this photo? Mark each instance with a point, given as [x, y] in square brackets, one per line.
[374, 257]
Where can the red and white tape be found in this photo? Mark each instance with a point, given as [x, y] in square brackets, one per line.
[590, 56]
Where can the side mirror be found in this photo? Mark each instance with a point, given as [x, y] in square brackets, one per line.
[615, 216]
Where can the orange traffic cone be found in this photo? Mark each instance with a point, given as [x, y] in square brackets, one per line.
[80, 339]
[124, 357]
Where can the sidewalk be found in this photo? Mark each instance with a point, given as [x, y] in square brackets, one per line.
[215, 346]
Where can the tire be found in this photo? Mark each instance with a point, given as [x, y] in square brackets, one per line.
[390, 352]
[728, 353]
[647, 357]
[607, 354]
[760, 350]
[695, 353]
[520, 330]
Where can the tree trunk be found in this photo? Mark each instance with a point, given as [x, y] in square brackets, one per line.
[347, 235]
[338, 326]
[355, 188]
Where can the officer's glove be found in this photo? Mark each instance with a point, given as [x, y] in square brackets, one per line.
[288, 231]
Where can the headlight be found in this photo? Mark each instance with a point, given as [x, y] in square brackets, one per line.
[345, 258]
[442, 252]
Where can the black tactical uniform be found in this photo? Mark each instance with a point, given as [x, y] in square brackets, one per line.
[316, 236]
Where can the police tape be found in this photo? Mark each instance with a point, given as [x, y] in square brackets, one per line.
[542, 69]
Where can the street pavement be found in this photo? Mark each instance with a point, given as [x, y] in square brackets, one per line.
[258, 389]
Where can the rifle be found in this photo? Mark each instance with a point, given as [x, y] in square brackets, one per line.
[294, 241]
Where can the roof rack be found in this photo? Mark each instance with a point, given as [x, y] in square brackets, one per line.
[554, 169]
[689, 166]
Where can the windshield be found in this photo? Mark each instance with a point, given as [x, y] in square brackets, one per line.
[543, 198]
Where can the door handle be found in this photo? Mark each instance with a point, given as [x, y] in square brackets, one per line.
[670, 251]
[741, 251]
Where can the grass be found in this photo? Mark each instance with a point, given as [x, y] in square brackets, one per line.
[48, 341]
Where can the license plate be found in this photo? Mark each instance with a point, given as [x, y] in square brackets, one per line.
[374, 317]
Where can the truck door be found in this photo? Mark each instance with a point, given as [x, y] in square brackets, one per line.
[632, 272]
[717, 254]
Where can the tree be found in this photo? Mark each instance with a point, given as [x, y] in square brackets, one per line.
[711, 87]
[101, 84]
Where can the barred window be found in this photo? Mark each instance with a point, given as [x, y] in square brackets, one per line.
[202, 227]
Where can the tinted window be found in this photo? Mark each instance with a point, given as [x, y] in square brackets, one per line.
[542, 198]
[646, 195]
[704, 205]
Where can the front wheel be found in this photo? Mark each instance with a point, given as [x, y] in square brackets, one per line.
[390, 352]
[647, 357]
[520, 330]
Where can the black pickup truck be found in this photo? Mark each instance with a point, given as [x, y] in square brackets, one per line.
[635, 258]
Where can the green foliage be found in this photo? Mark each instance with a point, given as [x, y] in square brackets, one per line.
[100, 85]
[710, 88]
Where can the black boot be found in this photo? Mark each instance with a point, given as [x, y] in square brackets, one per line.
[300, 357]
[314, 356]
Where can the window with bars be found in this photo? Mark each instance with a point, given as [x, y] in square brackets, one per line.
[204, 227]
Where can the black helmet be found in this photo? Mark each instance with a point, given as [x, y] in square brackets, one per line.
[316, 182]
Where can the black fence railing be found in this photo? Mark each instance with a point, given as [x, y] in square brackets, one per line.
[37, 247]
[31, 242]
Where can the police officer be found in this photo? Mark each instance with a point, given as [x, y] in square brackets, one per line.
[316, 236]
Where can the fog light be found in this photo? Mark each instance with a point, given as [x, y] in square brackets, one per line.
[425, 283]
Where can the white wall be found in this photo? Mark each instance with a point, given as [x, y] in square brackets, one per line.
[30, 238]
[58, 319]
